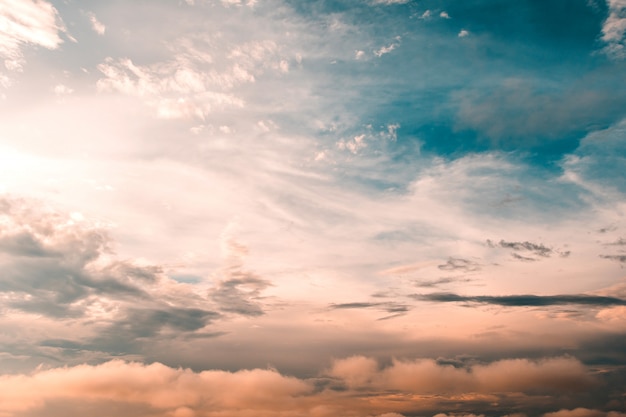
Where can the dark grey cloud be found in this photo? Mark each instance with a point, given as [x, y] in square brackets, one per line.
[48, 263]
[25, 244]
[394, 309]
[618, 258]
[526, 300]
[240, 294]
[459, 264]
[539, 250]
[619, 242]
[523, 258]
[137, 328]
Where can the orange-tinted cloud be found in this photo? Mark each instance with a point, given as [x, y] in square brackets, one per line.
[369, 390]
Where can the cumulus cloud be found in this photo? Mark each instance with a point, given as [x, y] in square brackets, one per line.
[64, 268]
[52, 262]
[427, 376]
[584, 412]
[165, 391]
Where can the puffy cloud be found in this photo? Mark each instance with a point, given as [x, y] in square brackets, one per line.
[427, 376]
[584, 412]
[356, 371]
[166, 391]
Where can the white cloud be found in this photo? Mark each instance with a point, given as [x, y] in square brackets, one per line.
[444, 15]
[61, 90]
[385, 50]
[425, 15]
[96, 25]
[389, 2]
[249, 3]
[194, 84]
[614, 29]
[359, 54]
[27, 22]
[354, 145]
[463, 33]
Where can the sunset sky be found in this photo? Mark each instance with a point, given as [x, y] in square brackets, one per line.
[321, 208]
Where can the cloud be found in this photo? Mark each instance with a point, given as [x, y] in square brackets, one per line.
[389, 2]
[237, 291]
[584, 412]
[539, 250]
[117, 387]
[524, 300]
[96, 25]
[463, 33]
[618, 258]
[198, 81]
[63, 270]
[395, 309]
[165, 390]
[523, 113]
[385, 49]
[27, 22]
[52, 263]
[439, 281]
[425, 376]
[614, 29]
[619, 242]
[353, 145]
[240, 295]
[459, 264]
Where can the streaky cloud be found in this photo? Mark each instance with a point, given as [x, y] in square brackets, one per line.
[525, 300]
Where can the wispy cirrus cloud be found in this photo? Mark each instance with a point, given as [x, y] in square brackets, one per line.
[23, 23]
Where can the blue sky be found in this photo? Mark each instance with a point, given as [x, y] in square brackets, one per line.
[374, 208]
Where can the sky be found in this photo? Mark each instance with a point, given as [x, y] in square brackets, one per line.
[322, 208]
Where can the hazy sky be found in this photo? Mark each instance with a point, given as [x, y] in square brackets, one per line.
[321, 208]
